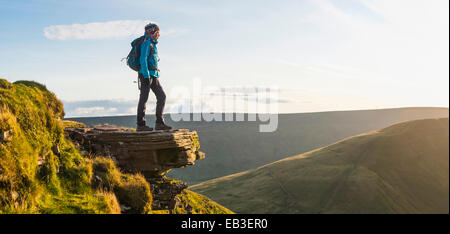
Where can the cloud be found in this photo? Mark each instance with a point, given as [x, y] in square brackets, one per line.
[111, 107]
[100, 108]
[96, 110]
[102, 30]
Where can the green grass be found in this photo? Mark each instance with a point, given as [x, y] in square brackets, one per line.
[99, 203]
[400, 169]
[38, 166]
[72, 124]
[200, 204]
[196, 204]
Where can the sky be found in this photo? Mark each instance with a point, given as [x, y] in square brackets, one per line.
[315, 55]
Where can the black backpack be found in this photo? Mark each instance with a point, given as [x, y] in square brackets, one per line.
[135, 53]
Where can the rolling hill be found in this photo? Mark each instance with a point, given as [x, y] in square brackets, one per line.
[232, 147]
[403, 168]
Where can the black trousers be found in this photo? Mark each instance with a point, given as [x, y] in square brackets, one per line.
[155, 86]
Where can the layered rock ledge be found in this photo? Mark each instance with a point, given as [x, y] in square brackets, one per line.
[152, 153]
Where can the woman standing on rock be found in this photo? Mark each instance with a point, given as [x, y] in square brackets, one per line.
[148, 78]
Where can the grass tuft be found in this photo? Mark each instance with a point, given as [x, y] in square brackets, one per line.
[134, 192]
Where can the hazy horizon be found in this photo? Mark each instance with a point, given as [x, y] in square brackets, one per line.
[283, 113]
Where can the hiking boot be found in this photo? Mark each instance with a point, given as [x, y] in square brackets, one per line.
[143, 128]
[162, 126]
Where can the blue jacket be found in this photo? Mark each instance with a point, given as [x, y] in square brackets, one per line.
[149, 63]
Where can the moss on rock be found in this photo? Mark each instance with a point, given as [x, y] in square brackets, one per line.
[40, 170]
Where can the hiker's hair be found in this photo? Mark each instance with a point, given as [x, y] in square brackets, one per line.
[151, 28]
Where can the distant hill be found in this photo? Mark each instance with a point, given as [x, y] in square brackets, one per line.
[233, 147]
[403, 168]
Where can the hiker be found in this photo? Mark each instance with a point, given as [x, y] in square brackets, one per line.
[149, 79]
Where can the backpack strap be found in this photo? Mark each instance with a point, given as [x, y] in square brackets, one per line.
[152, 50]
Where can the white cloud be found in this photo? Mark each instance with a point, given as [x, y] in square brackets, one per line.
[99, 107]
[96, 110]
[102, 30]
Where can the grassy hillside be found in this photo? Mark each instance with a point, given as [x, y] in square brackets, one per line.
[403, 168]
[42, 172]
[232, 147]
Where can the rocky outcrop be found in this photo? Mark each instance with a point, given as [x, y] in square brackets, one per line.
[152, 153]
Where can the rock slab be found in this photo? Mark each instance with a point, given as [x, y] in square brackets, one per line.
[152, 153]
